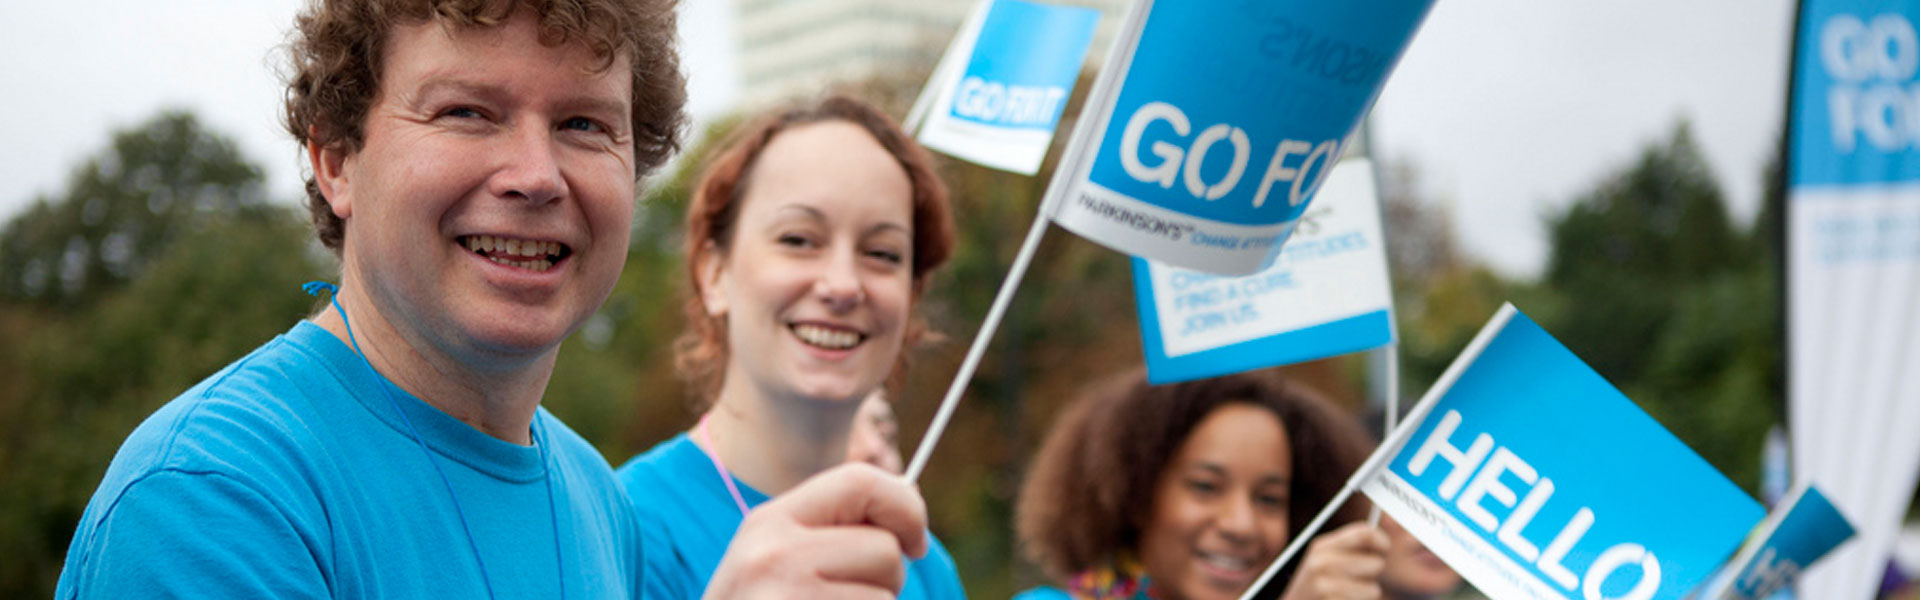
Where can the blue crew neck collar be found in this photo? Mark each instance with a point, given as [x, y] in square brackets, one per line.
[444, 434]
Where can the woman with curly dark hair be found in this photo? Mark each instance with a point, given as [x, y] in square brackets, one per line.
[1190, 490]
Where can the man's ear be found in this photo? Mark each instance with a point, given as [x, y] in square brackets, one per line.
[330, 173]
[711, 274]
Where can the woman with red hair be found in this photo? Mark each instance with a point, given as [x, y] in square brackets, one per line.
[810, 240]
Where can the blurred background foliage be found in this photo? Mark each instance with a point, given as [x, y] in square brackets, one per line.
[161, 262]
[164, 259]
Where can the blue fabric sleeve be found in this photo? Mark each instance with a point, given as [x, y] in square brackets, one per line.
[196, 535]
[940, 575]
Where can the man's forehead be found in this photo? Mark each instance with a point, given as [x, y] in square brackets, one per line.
[595, 99]
[441, 55]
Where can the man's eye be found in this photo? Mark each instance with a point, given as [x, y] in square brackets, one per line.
[461, 112]
[582, 124]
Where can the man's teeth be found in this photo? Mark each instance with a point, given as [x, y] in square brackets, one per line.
[503, 250]
[1225, 562]
[826, 338]
[532, 265]
[513, 247]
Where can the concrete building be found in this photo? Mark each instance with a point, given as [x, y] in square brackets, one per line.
[800, 47]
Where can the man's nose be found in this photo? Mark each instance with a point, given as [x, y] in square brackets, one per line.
[529, 168]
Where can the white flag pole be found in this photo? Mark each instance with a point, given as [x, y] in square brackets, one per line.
[1392, 417]
[1393, 385]
[1015, 273]
[1387, 448]
[1105, 84]
[1392, 351]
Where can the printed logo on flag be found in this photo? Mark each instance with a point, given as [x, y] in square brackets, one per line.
[1024, 65]
[1002, 110]
[1535, 478]
[1326, 295]
[1230, 117]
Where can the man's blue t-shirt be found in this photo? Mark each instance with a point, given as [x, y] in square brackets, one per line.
[688, 517]
[288, 474]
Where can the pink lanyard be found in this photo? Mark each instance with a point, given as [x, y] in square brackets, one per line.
[713, 453]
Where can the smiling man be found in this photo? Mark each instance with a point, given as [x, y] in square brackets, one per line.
[474, 166]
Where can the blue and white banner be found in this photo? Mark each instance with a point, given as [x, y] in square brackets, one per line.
[1853, 273]
[1534, 478]
[1226, 117]
[1000, 109]
[1327, 295]
[1804, 528]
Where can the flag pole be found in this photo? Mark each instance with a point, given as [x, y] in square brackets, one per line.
[1392, 417]
[1105, 85]
[1391, 353]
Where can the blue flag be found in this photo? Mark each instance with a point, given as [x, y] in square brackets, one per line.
[1535, 478]
[1227, 118]
[1001, 108]
[1853, 273]
[1327, 295]
[1802, 530]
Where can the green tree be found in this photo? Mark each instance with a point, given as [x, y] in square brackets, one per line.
[1655, 287]
[1622, 250]
[121, 208]
[86, 363]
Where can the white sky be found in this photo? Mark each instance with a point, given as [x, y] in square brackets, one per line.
[1512, 108]
[1509, 107]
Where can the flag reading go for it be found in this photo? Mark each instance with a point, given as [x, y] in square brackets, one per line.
[1000, 109]
[1222, 121]
[1853, 274]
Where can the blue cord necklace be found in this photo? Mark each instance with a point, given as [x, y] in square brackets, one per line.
[313, 288]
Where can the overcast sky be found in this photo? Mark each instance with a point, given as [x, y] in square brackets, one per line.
[1510, 108]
